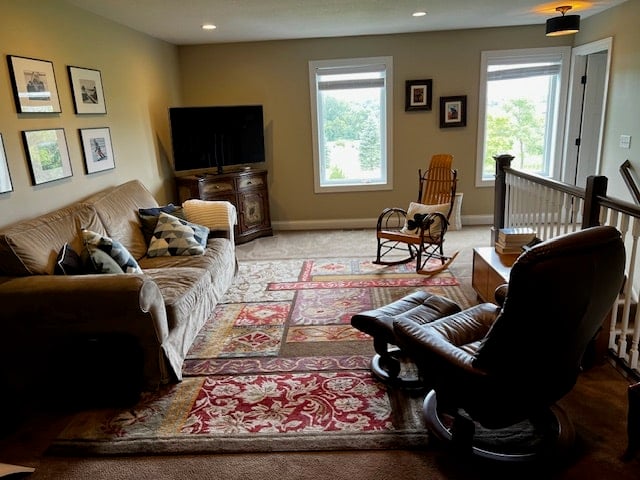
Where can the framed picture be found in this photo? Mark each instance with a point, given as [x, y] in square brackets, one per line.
[34, 85]
[5, 178]
[48, 155]
[97, 149]
[86, 86]
[453, 111]
[418, 95]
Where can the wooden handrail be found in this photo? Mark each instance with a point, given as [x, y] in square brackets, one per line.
[625, 171]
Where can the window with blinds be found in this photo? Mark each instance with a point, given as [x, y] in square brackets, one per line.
[521, 110]
[351, 114]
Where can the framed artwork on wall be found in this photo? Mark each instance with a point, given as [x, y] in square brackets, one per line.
[34, 85]
[418, 95]
[5, 178]
[48, 155]
[453, 111]
[88, 94]
[97, 149]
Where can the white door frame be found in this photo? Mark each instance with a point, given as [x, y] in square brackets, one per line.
[574, 110]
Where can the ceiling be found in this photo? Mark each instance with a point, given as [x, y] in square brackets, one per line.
[179, 21]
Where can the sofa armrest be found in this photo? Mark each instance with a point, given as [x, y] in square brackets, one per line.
[213, 214]
[44, 308]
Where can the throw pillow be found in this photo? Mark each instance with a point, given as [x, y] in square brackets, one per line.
[95, 242]
[68, 262]
[149, 218]
[99, 261]
[174, 236]
[416, 213]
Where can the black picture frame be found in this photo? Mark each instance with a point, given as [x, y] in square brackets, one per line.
[87, 90]
[34, 85]
[418, 95]
[97, 149]
[48, 155]
[5, 176]
[453, 111]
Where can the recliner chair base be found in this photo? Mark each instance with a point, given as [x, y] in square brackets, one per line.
[524, 442]
[396, 370]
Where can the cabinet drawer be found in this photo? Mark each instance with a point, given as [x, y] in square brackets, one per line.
[252, 181]
[210, 188]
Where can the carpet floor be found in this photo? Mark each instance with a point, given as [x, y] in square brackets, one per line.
[597, 406]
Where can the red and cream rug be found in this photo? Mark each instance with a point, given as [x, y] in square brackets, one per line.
[277, 367]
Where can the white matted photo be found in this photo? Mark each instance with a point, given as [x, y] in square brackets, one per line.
[97, 149]
[48, 155]
[5, 178]
[88, 94]
[34, 85]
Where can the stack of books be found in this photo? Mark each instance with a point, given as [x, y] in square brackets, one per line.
[511, 240]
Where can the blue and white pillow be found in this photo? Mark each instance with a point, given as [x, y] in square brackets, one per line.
[97, 245]
[174, 236]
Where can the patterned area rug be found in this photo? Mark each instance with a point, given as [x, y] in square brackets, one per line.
[277, 367]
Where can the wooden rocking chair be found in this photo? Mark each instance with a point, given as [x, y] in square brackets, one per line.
[418, 232]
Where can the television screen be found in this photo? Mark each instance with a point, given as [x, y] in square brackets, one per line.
[216, 137]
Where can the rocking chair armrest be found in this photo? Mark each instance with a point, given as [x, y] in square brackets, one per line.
[425, 227]
[387, 213]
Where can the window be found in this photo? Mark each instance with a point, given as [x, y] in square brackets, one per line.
[351, 105]
[521, 110]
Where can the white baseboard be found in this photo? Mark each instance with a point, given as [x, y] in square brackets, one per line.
[356, 223]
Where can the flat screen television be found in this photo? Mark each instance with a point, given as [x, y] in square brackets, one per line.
[216, 138]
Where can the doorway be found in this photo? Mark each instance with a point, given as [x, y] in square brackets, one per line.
[589, 81]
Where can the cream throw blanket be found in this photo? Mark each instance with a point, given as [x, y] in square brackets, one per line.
[216, 215]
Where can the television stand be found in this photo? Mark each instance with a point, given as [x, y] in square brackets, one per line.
[246, 189]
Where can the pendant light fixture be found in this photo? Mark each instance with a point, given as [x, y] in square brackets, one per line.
[564, 25]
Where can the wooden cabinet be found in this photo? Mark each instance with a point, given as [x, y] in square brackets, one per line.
[490, 270]
[246, 189]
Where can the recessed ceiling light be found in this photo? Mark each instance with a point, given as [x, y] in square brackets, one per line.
[419, 14]
[208, 26]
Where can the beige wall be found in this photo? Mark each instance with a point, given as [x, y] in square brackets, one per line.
[623, 102]
[143, 76]
[140, 81]
[275, 74]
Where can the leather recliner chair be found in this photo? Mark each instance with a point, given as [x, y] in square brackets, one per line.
[493, 366]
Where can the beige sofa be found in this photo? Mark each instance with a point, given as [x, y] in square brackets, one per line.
[161, 309]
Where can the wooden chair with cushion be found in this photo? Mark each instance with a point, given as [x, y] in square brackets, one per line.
[418, 232]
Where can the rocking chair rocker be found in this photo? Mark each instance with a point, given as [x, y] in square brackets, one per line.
[418, 232]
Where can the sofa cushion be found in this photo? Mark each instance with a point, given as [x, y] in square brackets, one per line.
[96, 243]
[31, 247]
[118, 210]
[149, 218]
[174, 236]
[68, 262]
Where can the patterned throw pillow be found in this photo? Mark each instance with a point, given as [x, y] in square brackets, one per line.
[174, 236]
[416, 213]
[149, 218]
[97, 244]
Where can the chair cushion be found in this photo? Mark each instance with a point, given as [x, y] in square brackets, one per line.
[416, 213]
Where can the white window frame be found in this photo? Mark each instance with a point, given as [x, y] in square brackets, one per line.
[558, 130]
[386, 114]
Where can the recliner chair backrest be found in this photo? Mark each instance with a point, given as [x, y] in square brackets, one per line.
[559, 293]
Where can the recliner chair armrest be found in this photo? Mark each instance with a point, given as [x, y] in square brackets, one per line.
[500, 293]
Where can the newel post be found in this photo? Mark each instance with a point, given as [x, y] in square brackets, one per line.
[596, 186]
[500, 192]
